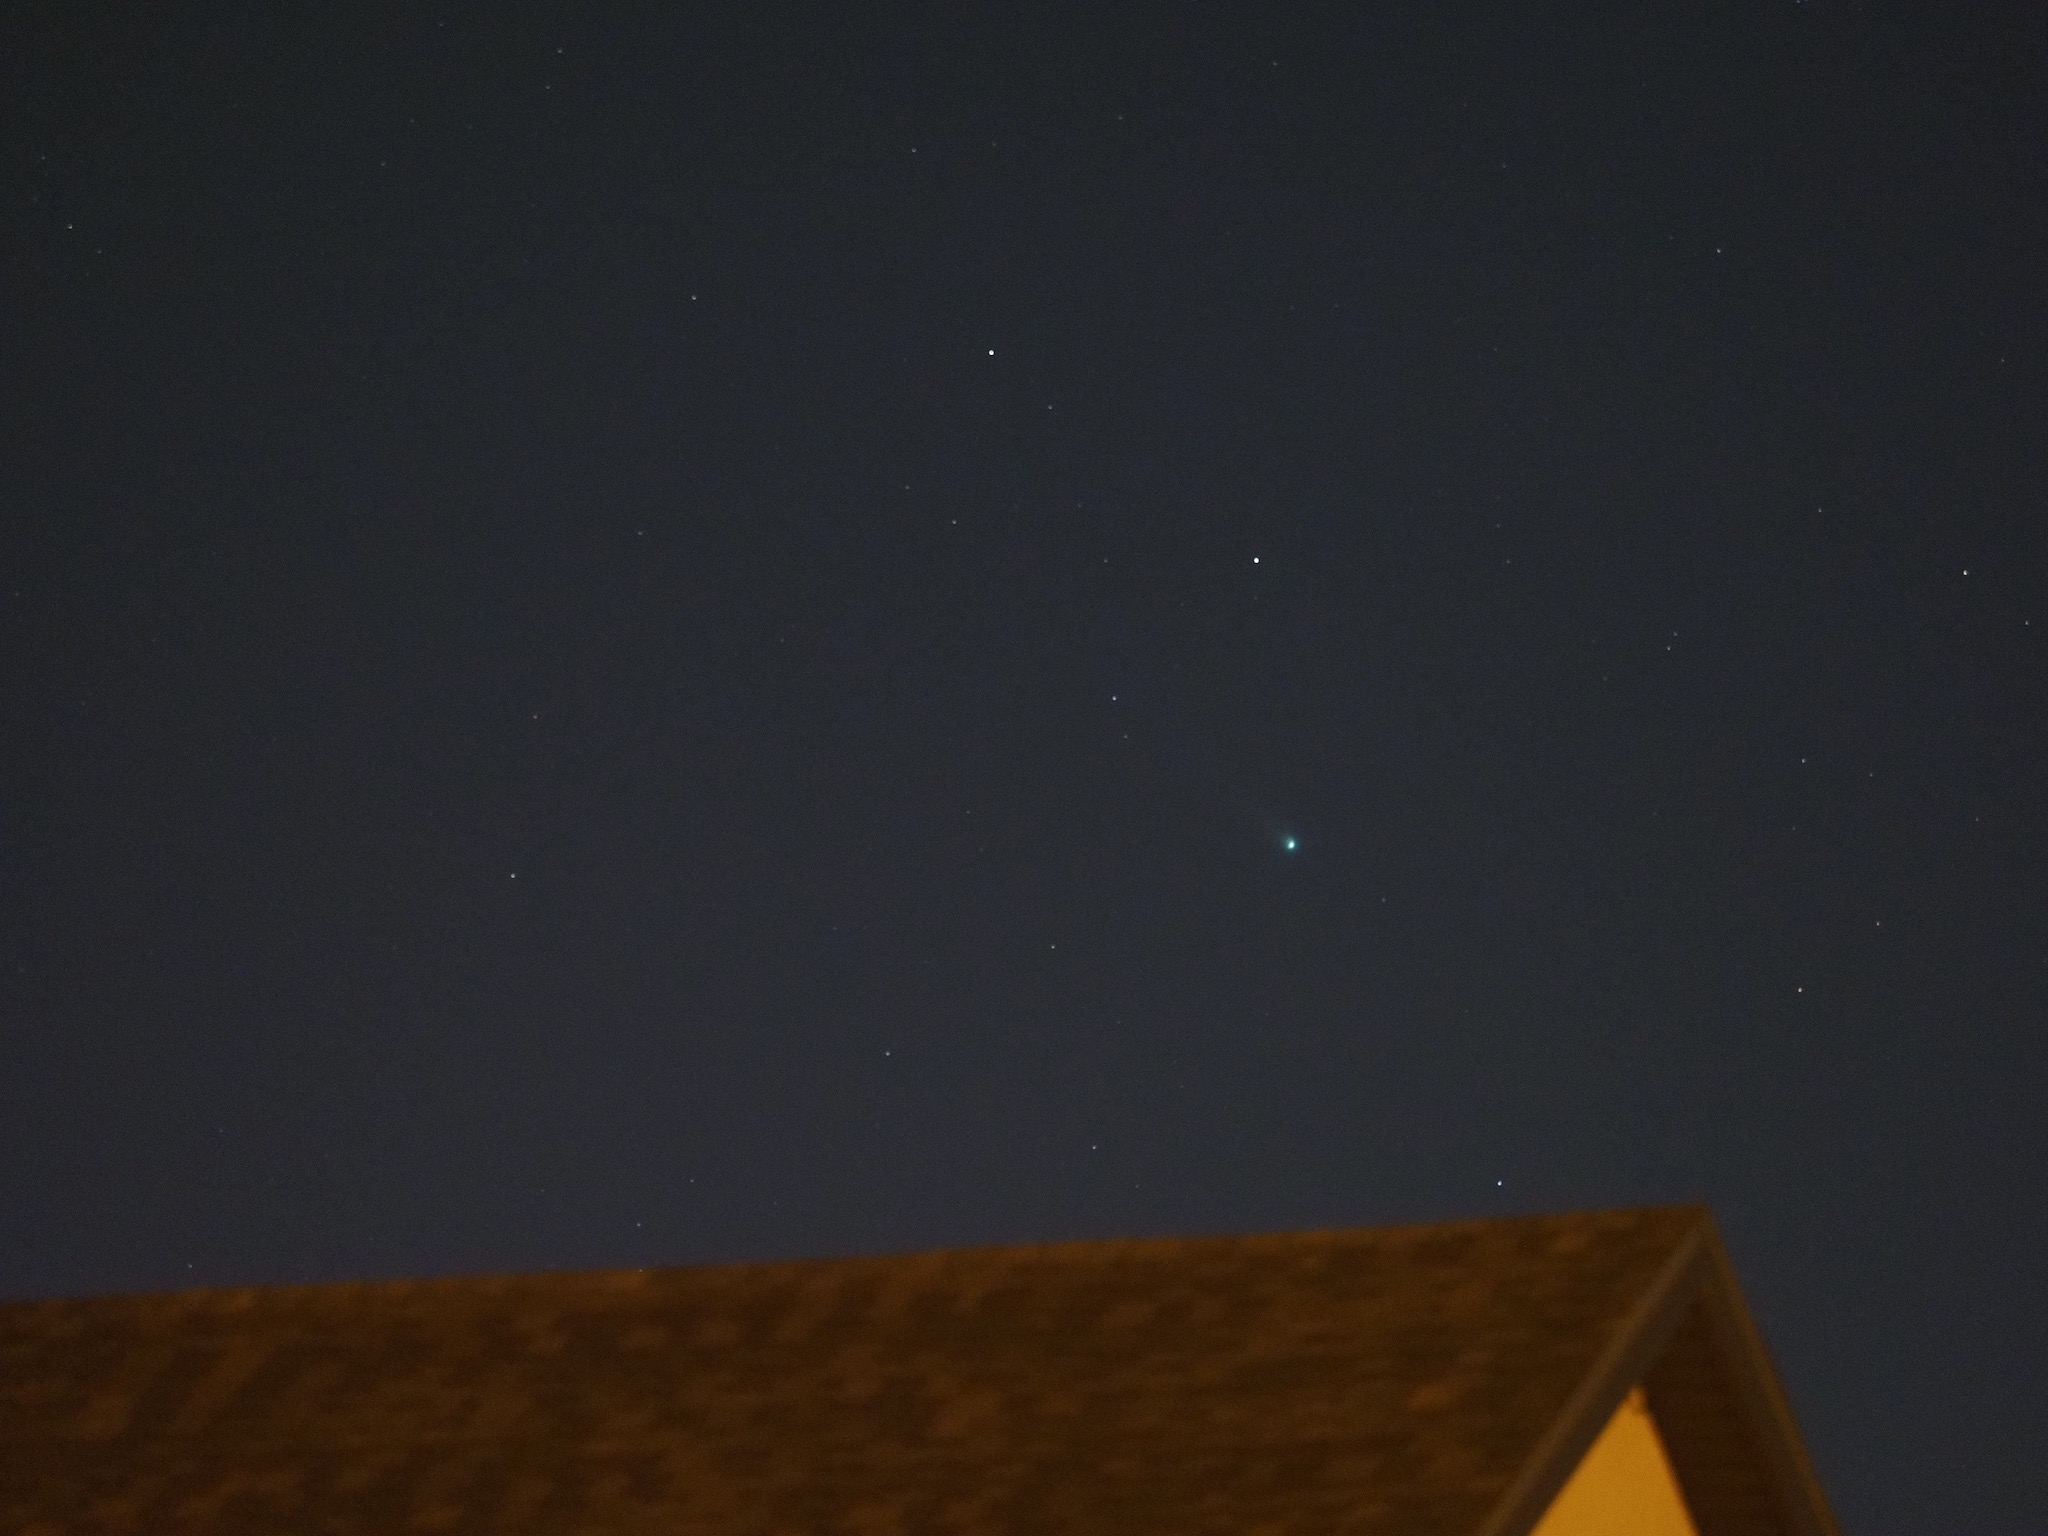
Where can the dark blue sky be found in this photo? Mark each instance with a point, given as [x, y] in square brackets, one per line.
[638, 639]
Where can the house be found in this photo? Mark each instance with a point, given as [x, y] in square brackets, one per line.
[1582, 1375]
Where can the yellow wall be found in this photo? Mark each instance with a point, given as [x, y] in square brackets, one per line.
[1624, 1487]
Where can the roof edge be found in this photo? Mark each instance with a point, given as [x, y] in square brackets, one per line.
[1761, 1396]
[1698, 1273]
[1625, 1361]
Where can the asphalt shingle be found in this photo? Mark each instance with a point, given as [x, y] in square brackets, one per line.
[1336, 1382]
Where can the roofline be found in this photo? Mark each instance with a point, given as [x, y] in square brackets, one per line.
[1697, 1271]
[1755, 1381]
[1621, 1365]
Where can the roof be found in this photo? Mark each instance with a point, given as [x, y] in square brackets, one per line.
[1413, 1380]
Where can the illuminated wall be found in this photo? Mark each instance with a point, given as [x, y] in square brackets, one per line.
[1624, 1487]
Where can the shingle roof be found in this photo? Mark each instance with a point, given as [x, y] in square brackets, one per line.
[1417, 1380]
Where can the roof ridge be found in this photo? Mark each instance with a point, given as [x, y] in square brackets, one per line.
[1135, 1244]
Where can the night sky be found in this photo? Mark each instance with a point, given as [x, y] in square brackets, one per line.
[634, 638]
